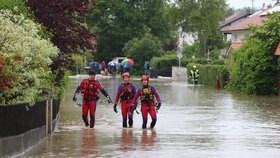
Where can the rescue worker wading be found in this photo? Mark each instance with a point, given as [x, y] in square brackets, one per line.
[88, 88]
[147, 94]
[126, 93]
[194, 75]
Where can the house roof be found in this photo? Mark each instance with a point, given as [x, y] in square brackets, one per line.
[257, 18]
[235, 17]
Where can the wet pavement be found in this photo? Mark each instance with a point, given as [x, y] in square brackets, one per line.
[194, 121]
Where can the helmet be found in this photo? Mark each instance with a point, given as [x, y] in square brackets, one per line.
[145, 78]
[91, 72]
[194, 66]
[126, 74]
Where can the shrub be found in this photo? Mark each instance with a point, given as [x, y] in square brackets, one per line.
[31, 56]
[163, 65]
[209, 74]
[253, 70]
[141, 50]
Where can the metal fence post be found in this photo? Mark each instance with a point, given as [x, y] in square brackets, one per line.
[50, 112]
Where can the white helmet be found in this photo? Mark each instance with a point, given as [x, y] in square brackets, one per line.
[194, 66]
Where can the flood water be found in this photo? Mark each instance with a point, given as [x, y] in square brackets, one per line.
[194, 121]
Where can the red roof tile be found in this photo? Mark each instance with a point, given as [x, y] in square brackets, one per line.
[242, 25]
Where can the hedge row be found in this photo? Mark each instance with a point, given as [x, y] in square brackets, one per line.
[209, 74]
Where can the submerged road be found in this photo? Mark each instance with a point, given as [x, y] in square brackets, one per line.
[194, 121]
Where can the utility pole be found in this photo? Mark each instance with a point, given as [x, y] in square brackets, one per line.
[180, 45]
[252, 5]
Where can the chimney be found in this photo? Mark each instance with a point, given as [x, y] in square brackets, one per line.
[268, 6]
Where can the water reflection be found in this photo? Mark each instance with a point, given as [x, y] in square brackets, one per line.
[148, 139]
[88, 146]
[127, 140]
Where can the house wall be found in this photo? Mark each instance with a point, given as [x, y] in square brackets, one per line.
[239, 36]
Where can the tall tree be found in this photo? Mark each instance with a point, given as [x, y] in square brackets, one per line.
[17, 6]
[202, 17]
[65, 19]
[116, 22]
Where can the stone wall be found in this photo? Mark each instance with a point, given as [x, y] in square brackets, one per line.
[179, 73]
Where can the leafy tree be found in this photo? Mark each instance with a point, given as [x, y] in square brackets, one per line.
[141, 50]
[254, 67]
[25, 60]
[202, 17]
[66, 21]
[17, 6]
[116, 22]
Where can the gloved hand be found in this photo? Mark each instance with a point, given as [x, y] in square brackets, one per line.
[158, 106]
[75, 98]
[134, 107]
[109, 99]
[115, 108]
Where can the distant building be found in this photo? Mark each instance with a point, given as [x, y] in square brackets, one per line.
[233, 19]
[238, 30]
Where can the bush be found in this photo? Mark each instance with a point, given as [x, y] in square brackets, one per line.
[254, 67]
[141, 50]
[209, 74]
[31, 57]
[253, 70]
[163, 65]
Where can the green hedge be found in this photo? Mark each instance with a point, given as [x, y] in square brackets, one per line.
[163, 65]
[209, 74]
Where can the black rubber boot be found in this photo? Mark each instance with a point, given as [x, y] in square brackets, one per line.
[144, 125]
[85, 120]
[130, 122]
[124, 123]
[153, 123]
[92, 121]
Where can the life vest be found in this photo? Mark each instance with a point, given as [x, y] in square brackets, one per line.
[89, 89]
[194, 74]
[146, 93]
[127, 91]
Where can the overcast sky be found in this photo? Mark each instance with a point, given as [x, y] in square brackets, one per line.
[248, 3]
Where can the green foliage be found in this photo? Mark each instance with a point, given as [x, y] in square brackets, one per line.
[202, 17]
[253, 69]
[191, 54]
[163, 64]
[117, 22]
[191, 50]
[32, 55]
[16, 6]
[141, 50]
[210, 73]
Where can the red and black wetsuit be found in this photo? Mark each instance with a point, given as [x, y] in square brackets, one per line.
[89, 89]
[126, 93]
[147, 94]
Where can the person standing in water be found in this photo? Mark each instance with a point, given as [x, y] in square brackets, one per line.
[147, 93]
[126, 93]
[88, 87]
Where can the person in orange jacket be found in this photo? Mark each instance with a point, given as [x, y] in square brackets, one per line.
[88, 88]
[126, 93]
[147, 94]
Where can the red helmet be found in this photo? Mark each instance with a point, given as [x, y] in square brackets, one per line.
[126, 74]
[145, 78]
